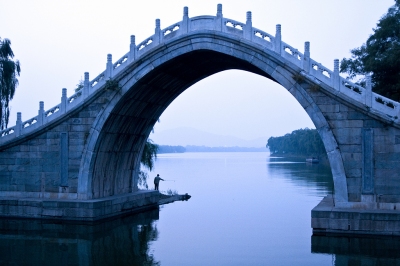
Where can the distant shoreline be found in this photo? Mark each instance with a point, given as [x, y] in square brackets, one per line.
[191, 148]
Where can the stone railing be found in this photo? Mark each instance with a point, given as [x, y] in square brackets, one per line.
[311, 69]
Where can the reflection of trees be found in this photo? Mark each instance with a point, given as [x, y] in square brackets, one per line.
[124, 241]
[125, 245]
[302, 174]
[358, 250]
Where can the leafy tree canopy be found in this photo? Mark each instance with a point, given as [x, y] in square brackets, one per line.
[379, 56]
[149, 155]
[300, 142]
[9, 70]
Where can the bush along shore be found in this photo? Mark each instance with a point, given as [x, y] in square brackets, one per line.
[300, 144]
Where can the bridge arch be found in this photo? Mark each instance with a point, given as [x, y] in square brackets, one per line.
[110, 161]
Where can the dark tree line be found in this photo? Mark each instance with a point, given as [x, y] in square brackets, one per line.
[171, 149]
[9, 71]
[300, 142]
[379, 56]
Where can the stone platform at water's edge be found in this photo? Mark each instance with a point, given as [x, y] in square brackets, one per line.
[327, 219]
[84, 210]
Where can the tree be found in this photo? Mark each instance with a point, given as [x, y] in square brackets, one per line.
[305, 142]
[379, 56]
[149, 155]
[9, 70]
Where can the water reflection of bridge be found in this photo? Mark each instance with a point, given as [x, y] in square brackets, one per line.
[121, 241]
[358, 250]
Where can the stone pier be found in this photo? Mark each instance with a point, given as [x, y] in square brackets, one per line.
[80, 210]
[327, 219]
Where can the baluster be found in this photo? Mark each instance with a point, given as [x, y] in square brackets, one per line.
[41, 113]
[248, 29]
[132, 49]
[18, 125]
[278, 39]
[109, 67]
[218, 19]
[86, 85]
[219, 11]
[64, 99]
[306, 61]
[368, 92]
[336, 76]
[157, 32]
[185, 20]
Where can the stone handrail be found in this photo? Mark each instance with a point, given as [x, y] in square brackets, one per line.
[311, 69]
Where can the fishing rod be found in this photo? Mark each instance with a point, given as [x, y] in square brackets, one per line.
[169, 180]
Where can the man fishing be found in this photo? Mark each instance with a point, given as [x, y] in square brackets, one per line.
[157, 181]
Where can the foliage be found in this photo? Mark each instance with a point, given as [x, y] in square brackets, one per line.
[172, 192]
[149, 155]
[301, 142]
[299, 78]
[142, 179]
[79, 86]
[380, 56]
[112, 84]
[9, 70]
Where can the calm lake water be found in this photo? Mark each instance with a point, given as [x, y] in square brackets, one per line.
[246, 209]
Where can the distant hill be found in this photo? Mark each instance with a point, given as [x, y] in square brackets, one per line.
[185, 136]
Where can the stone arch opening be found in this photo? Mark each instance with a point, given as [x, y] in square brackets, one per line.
[112, 160]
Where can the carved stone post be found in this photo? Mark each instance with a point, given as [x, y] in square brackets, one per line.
[185, 20]
[248, 30]
[306, 61]
[109, 67]
[278, 39]
[132, 49]
[368, 92]
[336, 76]
[86, 85]
[157, 33]
[18, 125]
[218, 20]
[40, 113]
[63, 106]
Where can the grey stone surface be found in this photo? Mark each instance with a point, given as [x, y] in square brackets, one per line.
[83, 210]
[328, 218]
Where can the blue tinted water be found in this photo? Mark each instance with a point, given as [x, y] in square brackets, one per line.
[246, 209]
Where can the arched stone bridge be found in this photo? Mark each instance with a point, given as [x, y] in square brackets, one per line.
[88, 147]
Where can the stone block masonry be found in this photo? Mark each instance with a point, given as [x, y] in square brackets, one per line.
[81, 210]
[327, 219]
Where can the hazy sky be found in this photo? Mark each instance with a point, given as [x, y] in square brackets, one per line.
[57, 41]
